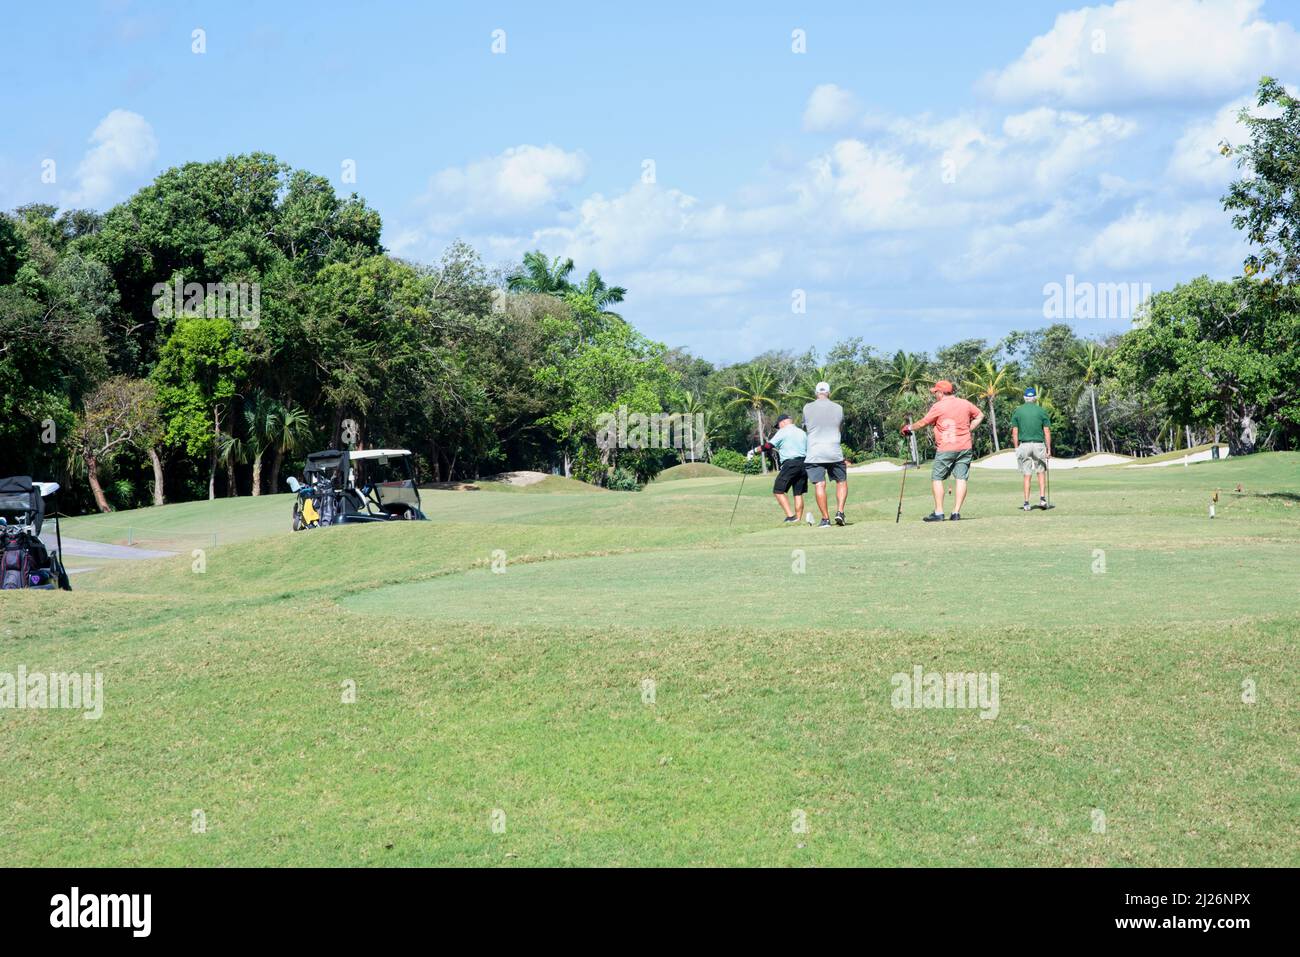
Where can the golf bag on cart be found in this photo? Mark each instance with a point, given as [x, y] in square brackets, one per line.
[317, 499]
[25, 562]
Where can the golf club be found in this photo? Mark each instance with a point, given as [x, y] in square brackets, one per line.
[1047, 478]
[906, 465]
[738, 492]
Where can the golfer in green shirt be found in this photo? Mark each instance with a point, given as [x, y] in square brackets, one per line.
[1031, 434]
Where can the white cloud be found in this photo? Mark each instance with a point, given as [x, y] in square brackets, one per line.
[519, 181]
[1142, 50]
[1065, 142]
[862, 187]
[124, 148]
[1145, 237]
[631, 227]
[829, 108]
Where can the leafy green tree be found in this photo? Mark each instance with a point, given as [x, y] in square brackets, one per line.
[1266, 200]
[1220, 353]
[198, 373]
[955, 362]
[11, 249]
[363, 335]
[119, 413]
[246, 218]
[618, 368]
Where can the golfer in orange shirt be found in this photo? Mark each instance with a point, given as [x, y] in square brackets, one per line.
[952, 419]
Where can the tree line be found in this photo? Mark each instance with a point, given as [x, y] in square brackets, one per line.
[199, 338]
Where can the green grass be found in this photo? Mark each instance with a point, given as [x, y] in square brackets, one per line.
[522, 690]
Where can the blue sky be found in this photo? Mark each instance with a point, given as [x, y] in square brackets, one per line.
[917, 176]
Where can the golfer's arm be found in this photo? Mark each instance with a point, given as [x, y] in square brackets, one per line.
[1047, 438]
[978, 421]
[1015, 436]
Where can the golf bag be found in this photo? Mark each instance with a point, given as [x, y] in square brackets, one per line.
[324, 502]
[25, 562]
[15, 562]
[318, 497]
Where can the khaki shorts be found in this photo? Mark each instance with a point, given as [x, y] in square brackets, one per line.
[1031, 457]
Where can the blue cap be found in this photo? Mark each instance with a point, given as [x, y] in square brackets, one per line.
[1031, 393]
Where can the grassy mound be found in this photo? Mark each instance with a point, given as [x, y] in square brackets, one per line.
[693, 470]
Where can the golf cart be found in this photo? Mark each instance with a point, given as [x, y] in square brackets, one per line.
[367, 485]
[25, 562]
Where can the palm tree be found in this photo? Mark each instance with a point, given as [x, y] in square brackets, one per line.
[694, 406]
[755, 390]
[232, 451]
[1088, 363]
[805, 390]
[288, 430]
[906, 373]
[594, 288]
[548, 277]
[987, 382]
[1047, 403]
[259, 415]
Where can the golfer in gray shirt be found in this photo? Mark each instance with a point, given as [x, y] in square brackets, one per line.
[821, 420]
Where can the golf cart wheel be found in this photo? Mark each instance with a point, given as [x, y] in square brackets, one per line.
[297, 520]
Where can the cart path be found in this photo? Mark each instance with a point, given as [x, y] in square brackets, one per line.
[80, 548]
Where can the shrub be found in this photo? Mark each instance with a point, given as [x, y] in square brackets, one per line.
[728, 459]
[622, 480]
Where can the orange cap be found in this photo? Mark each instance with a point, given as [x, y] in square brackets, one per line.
[943, 387]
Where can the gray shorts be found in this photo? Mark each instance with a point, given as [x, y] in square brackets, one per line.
[956, 464]
[1031, 457]
[818, 471]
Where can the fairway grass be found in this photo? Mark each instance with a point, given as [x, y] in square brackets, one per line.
[636, 683]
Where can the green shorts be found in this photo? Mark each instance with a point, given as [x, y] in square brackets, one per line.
[956, 464]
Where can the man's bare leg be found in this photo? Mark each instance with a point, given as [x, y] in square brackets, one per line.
[798, 507]
[1040, 484]
[841, 495]
[785, 504]
[821, 500]
[961, 495]
[938, 497]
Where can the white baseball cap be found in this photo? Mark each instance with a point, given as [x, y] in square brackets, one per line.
[823, 388]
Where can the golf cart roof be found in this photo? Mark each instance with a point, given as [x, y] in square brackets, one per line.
[23, 485]
[362, 454]
[327, 459]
